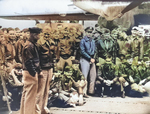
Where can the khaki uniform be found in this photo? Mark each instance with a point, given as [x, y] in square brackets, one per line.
[9, 55]
[43, 89]
[46, 62]
[19, 47]
[28, 104]
[66, 52]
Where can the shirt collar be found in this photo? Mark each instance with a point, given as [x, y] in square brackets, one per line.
[86, 38]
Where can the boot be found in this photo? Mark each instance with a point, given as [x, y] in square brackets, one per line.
[123, 94]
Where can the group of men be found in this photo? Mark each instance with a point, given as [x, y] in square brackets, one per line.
[37, 61]
[37, 70]
[113, 75]
[37, 73]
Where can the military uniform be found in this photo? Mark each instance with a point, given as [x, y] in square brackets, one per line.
[88, 49]
[46, 63]
[19, 47]
[31, 71]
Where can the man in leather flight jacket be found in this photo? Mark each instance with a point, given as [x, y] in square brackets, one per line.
[31, 73]
[87, 61]
[46, 63]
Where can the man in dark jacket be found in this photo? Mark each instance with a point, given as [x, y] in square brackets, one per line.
[87, 61]
[46, 63]
[31, 73]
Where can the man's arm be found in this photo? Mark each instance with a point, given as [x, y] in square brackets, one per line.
[83, 52]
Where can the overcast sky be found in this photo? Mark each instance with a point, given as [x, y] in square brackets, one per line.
[17, 23]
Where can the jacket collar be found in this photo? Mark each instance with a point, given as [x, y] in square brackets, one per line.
[86, 38]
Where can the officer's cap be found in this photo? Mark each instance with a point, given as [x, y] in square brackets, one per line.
[89, 29]
[35, 30]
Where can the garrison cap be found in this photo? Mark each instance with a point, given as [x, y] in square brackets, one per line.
[35, 30]
[75, 62]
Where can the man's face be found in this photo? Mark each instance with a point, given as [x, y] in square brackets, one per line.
[5, 31]
[59, 27]
[27, 34]
[75, 66]
[21, 35]
[89, 34]
[57, 35]
[66, 31]
[12, 35]
[74, 30]
[68, 72]
[2, 39]
[36, 36]
[46, 36]
[18, 33]
[114, 33]
[97, 28]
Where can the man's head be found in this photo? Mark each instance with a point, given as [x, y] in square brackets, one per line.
[34, 33]
[26, 33]
[122, 56]
[35, 30]
[65, 31]
[17, 33]
[5, 30]
[135, 31]
[12, 35]
[97, 27]
[75, 64]
[55, 34]
[46, 32]
[2, 36]
[68, 71]
[59, 26]
[89, 31]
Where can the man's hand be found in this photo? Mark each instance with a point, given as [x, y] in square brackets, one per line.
[40, 75]
[92, 60]
[108, 82]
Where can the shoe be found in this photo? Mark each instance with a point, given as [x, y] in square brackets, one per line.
[85, 96]
[91, 94]
[98, 95]
[123, 94]
[47, 111]
[69, 105]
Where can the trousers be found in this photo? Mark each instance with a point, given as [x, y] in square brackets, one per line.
[61, 62]
[35, 92]
[28, 99]
[88, 69]
[43, 91]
